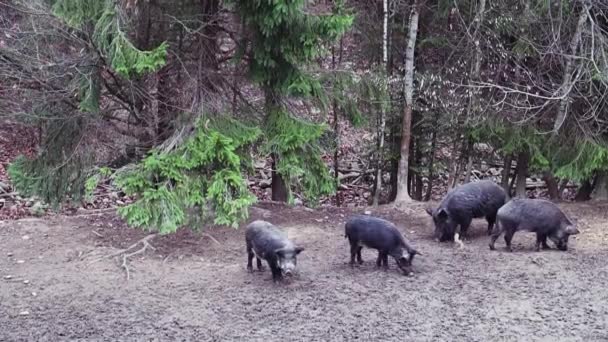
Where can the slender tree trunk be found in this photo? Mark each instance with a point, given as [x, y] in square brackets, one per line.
[402, 188]
[600, 191]
[378, 178]
[522, 173]
[506, 173]
[453, 163]
[280, 192]
[469, 167]
[418, 177]
[584, 191]
[429, 188]
[337, 125]
[473, 107]
[566, 86]
[552, 185]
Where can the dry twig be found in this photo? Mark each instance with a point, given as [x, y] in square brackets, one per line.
[126, 255]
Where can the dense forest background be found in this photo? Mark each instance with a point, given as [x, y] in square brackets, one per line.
[186, 112]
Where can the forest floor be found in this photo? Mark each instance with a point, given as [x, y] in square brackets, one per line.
[56, 284]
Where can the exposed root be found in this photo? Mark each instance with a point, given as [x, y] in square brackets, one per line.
[212, 238]
[126, 254]
[96, 233]
[93, 212]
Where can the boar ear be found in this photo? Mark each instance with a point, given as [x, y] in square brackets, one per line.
[571, 230]
[429, 211]
[442, 214]
[280, 252]
[299, 250]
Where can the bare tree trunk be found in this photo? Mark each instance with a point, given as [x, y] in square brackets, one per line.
[280, 192]
[469, 167]
[584, 191]
[600, 191]
[552, 185]
[378, 187]
[566, 86]
[402, 188]
[453, 163]
[418, 177]
[429, 188]
[522, 173]
[475, 74]
[506, 173]
[337, 124]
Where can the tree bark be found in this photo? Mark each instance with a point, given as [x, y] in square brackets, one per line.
[469, 167]
[280, 192]
[453, 164]
[584, 191]
[402, 176]
[429, 188]
[417, 176]
[566, 86]
[337, 124]
[522, 173]
[378, 178]
[552, 185]
[506, 173]
[600, 191]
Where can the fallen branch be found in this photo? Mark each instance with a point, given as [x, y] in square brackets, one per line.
[91, 212]
[9, 194]
[96, 233]
[211, 238]
[126, 255]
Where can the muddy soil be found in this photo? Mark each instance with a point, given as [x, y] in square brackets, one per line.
[56, 285]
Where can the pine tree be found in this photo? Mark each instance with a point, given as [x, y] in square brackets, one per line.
[64, 163]
[285, 39]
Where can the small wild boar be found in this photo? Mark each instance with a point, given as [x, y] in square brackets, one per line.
[382, 235]
[265, 241]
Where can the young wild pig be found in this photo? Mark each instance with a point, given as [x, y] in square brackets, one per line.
[376, 233]
[464, 203]
[267, 242]
[534, 215]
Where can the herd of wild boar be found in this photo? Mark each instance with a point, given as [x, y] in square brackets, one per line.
[452, 219]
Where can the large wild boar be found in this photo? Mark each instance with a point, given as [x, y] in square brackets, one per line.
[464, 203]
[534, 215]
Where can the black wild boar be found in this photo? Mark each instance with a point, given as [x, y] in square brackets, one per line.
[464, 203]
[265, 241]
[382, 235]
[534, 215]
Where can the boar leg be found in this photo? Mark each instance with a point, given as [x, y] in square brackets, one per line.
[508, 237]
[354, 249]
[544, 242]
[274, 268]
[491, 220]
[464, 227]
[249, 258]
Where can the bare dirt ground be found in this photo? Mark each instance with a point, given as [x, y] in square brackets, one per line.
[53, 287]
